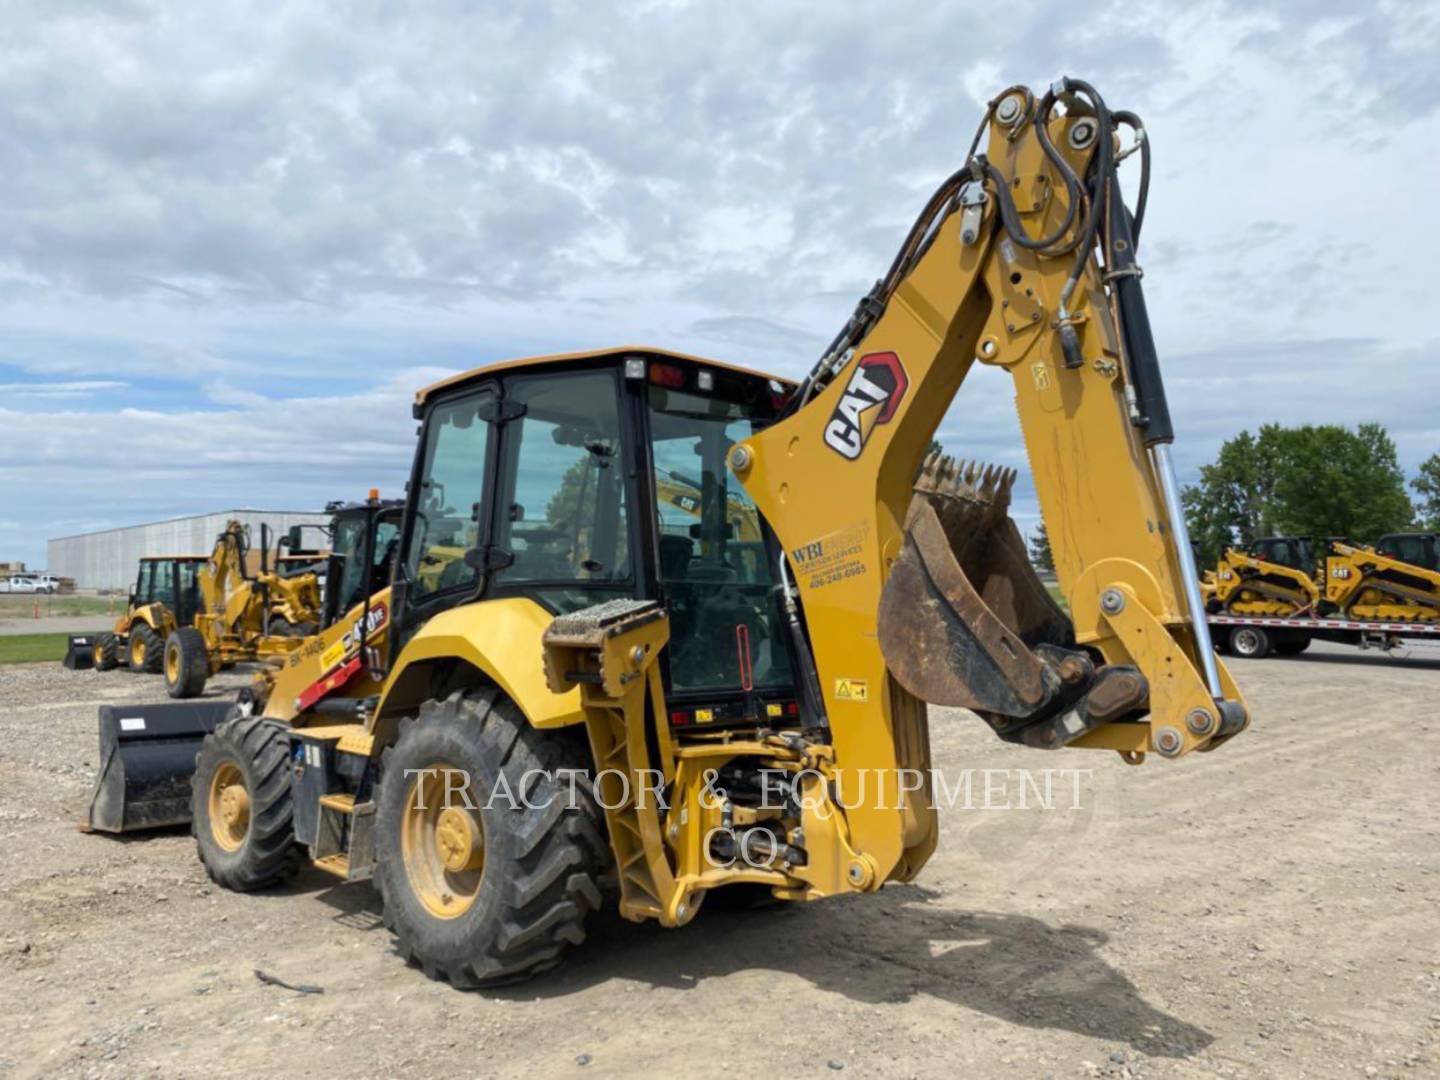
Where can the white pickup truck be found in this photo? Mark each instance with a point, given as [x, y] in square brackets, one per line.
[29, 583]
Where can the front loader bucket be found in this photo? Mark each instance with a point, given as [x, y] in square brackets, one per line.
[964, 621]
[80, 652]
[147, 757]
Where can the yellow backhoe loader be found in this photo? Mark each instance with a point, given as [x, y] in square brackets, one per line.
[165, 597]
[573, 686]
[1398, 580]
[147, 753]
[1274, 579]
[243, 615]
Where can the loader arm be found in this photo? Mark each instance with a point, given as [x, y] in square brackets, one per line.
[1003, 268]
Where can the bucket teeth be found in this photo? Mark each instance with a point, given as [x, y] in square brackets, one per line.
[944, 476]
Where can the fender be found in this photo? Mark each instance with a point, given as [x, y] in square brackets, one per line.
[500, 639]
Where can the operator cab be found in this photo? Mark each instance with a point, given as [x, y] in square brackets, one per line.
[578, 479]
[348, 577]
[1417, 549]
[170, 580]
[1295, 552]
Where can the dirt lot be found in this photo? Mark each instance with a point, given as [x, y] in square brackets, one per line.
[1267, 910]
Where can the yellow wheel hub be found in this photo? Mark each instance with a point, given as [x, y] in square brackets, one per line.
[442, 841]
[172, 664]
[229, 804]
[137, 651]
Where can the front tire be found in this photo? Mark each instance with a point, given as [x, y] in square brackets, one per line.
[187, 663]
[106, 652]
[241, 805]
[478, 889]
[1249, 642]
[147, 649]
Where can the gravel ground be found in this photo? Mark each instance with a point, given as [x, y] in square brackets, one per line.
[1266, 910]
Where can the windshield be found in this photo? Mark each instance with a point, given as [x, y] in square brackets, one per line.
[714, 571]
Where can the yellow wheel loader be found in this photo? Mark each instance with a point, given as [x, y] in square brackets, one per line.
[243, 615]
[165, 597]
[574, 686]
[1398, 580]
[1274, 579]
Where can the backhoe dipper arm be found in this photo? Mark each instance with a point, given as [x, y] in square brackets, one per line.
[1023, 260]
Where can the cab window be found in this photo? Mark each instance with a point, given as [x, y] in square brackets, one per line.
[561, 515]
[449, 499]
[162, 584]
[714, 570]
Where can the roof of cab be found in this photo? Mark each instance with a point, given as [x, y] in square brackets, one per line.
[422, 395]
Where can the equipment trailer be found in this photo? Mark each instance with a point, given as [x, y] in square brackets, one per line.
[1251, 636]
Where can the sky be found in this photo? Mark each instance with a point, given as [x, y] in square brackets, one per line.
[236, 238]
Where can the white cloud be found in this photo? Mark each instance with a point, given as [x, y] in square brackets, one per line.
[259, 200]
[82, 388]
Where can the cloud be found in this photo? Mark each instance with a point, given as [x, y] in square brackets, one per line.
[266, 211]
[75, 389]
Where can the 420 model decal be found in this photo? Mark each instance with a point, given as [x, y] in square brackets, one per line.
[874, 392]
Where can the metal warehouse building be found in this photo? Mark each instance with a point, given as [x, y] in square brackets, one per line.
[106, 560]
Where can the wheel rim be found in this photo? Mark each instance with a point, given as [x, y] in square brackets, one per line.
[137, 650]
[172, 664]
[1247, 643]
[229, 806]
[97, 652]
[443, 846]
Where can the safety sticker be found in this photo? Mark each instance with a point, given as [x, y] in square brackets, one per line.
[132, 723]
[852, 690]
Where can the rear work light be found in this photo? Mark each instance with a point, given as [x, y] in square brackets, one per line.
[667, 375]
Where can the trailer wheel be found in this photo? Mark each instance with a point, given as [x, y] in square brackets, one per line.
[106, 651]
[1292, 645]
[187, 663]
[147, 648]
[477, 888]
[1250, 642]
[241, 806]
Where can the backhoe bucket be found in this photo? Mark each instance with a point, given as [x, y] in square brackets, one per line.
[147, 757]
[80, 652]
[964, 620]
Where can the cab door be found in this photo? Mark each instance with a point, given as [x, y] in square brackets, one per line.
[443, 551]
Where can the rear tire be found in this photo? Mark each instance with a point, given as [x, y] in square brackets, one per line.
[241, 805]
[106, 651]
[1249, 642]
[523, 880]
[147, 649]
[187, 663]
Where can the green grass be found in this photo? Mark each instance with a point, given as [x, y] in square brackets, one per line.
[20, 605]
[25, 648]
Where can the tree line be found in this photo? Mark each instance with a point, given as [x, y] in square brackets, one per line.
[1319, 480]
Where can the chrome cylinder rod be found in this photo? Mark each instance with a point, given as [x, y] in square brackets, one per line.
[1189, 575]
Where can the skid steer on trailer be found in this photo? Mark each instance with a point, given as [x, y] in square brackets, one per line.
[147, 752]
[1274, 578]
[574, 683]
[1397, 580]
